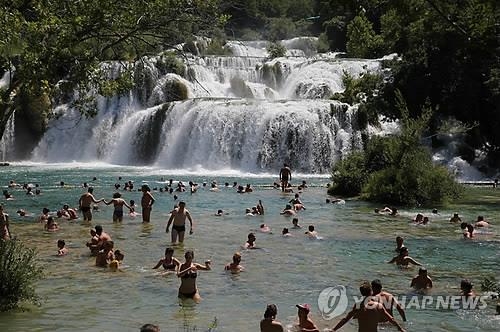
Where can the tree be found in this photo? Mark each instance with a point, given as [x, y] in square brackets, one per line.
[45, 42]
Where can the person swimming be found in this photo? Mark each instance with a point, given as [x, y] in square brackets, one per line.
[169, 263]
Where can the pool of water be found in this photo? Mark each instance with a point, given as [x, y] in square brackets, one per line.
[356, 244]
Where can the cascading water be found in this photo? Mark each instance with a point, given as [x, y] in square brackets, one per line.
[7, 141]
[243, 112]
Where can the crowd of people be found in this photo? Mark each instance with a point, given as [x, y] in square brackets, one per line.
[102, 246]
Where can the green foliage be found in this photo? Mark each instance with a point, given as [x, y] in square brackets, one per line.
[490, 285]
[349, 175]
[276, 50]
[280, 28]
[357, 89]
[397, 169]
[19, 271]
[362, 42]
[216, 47]
[46, 41]
[169, 63]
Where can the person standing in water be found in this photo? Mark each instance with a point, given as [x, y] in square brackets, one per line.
[4, 225]
[269, 323]
[285, 176]
[147, 202]
[169, 262]
[188, 274]
[118, 203]
[179, 216]
[85, 203]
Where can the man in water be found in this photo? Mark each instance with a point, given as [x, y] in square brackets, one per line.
[85, 204]
[269, 324]
[179, 216]
[387, 300]
[368, 312]
[285, 176]
[305, 323]
[422, 281]
[403, 259]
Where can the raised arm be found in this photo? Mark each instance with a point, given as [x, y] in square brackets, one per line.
[205, 267]
[414, 262]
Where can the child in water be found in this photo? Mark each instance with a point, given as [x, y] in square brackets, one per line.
[117, 261]
[61, 246]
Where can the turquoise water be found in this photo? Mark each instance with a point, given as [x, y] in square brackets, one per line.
[356, 245]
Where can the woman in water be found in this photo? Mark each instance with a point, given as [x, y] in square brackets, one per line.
[188, 274]
[169, 263]
[118, 203]
[147, 202]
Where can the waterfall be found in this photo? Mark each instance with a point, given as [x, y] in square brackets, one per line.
[7, 141]
[243, 112]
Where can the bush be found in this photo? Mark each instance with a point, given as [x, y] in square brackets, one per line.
[19, 270]
[349, 175]
[276, 50]
[169, 63]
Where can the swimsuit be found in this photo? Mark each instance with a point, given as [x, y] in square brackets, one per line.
[170, 266]
[179, 228]
[85, 209]
[187, 295]
[189, 274]
[118, 214]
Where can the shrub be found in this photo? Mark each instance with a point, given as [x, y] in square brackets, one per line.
[19, 270]
[276, 50]
[169, 63]
[349, 175]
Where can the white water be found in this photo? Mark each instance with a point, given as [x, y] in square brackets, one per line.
[244, 113]
[7, 141]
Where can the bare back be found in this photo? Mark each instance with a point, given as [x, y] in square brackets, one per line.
[268, 325]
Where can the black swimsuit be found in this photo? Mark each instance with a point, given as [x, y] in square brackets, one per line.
[170, 266]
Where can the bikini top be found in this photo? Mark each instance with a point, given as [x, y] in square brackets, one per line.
[170, 266]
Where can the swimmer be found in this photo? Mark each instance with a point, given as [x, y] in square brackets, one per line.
[368, 312]
[169, 262]
[467, 230]
[269, 322]
[264, 228]
[419, 218]
[92, 244]
[387, 300]
[295, 223]
[295, 200]
[147, 202]
[455, 218]
[285, 176]
[480, 222]
[285, 232]
[114, 265]
[399, 243]
[105, 255]
[235, 267]
[44, 216]
[71, 213]
[288, 211]
[255, 212]
[85, 203]
[8, 196]
[305, 323]
[403, 259]
[311, 233]
[260, 208]
[23, 213]
[179, 216]
[248, 212]
[118, 203]
[466, 288]
[250, 244]
[150, 328]
[188, 274]
[4, 225]
[61, 248]
[51, 225]
[248, 189]
[219, 213]
[421, 281]
[425, 221]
